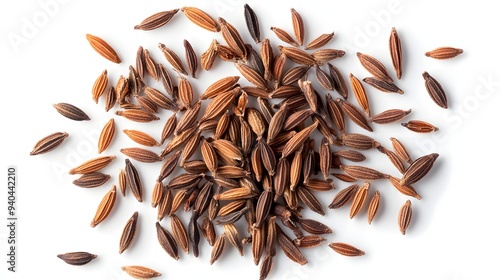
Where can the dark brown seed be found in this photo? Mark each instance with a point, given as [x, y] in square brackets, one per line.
[282, 177]
[172, 58]
[396, 52]
[128, 232]
[363, 173]
[191, 58]
[156, 20]
[435, 91]
[140, 154]
[133, 180]
[320, 41]
[166, 80]
[267, 156]
[418, 169]
[298, 26]
[252, 23]
[354, 114]
[168, 166]
[77, 258]
[382, 85]
[92, 180]
[201, 18]
[346, 249]
[338, 81]
[167, 241]
[324, 79]
[49, 143]
[374, 66]
[147, 104]
[289, 248]
[420, 126]
[110, 98]
[390, 116]
[343, 197]
[444, 53]
[71, 112]
[254, 60]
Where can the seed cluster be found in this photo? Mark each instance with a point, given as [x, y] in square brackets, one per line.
[258, 165]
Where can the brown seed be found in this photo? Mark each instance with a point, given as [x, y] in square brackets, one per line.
[189, 118]
[191, 58]
[140, 272]
[359, 141]
[235, 194]
[374, 66]
[284, 36]
[277, 122]
[168, 128]
[167, 241]
[404, 189]
[278, 66]
[103, 48]
[107, 135]
[266, 53]
[156, 20]
[359, 199]
[382, 85]
[122, 182]
[320, 41]
[180, 233]
[298, 56]
[208, 230]
[49, 143]
[168, 166]
[128, 232]
[140, 154]
[219, 104]
[218, 248]
[390, 116]
[289, 248]
[354, 114]
[133, 180]
[282, 177]
[325, 158]
[157, 194]
[298, 26]
[140, 63]
[350, 155]
[339, 82]
[324, 79]
[137, 115]
[252, 23]
[435, 91]
[172, 58]
[208, 57]
[309, 241]
[147, 104]
[201, 18]
[77, 258]
[418, 169]
[110, 98]
[314, 227]
[179, 140]
[71, 112]
[396, 52]
[360, 94]
[141, 137]
[92, 165]
[343, 197]
[308, 198]
[251, 75]
[344, 177]
[346, 249]
[298, 140]
[226, 53]
[104, 207]
[400, 150]
[322, 56]
[185, 91]
[294, 74]
[160, 99]
[335, 113]
[209, 155]
[444, 53]
[165, 205]
[92, 180]
[234, 238]
[185, 181]
[231, 207]
[220, 86]
[233, 38]
[420, 126]
[373, 206]
[285, 91]
[404, 217]
[362, 172]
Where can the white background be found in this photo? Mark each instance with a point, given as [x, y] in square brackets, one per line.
[454, 231]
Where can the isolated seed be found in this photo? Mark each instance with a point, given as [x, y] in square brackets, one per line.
[404, 217]
[105, 207]
[140, 154]
[92, 180]
[390, 116]
[420, 126]
[374, 66]
[320, 41]
[201, 18]
[133, 180]
[252, 23]
[444, 53]
[156, 20]
[343, 197]
[322, 56]
[49, 143]
[103, 48]
[140, 272]
[382, 85]
[360, 94]
[71, 112]
[396, 52]
[418, 169]
[373, 207]
[346, 249]
[435, 91]
[77, 258]
[359, 199]
[129, 232]
[92, 165]
[107, 135]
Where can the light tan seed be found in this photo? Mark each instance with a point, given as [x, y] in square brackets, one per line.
[107, 135]
[400, 150]
[374, 66]
[48, 143]
[363, 173]
[100, 85]
[208, 57]
[92, 165]
[359, 199]
[218, 248]
[346, 249]
[122, 182]
[103, 48]
[298, 140]
[141, 137]
[418, 169]
[320, 41]
[235, 194]
[77, 258]
[373, 206]
[390, 116]
[360, 94]
[343, 197]
[396, 52]
[404, 217]
[157, 194]
[140, 272]
[298, 56]
[156, 20]
[435, 90]
[180, 233]
[420, 126]
[172, 58]
[444, 53]
[404, 189]
[354, 114]
[92, 180]
[140, 154]
[322, 56]
[284, 36]
[105, 207]
[185, 91]
[128, 232]
[201, 18]
[137, 115]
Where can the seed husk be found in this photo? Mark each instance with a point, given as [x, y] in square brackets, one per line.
[49, 143]
[103, 48]
[420, 126]
[343, 197]
[346, 249]
[252, 23]
[201, 18]
[137, 115]
[107, 135]
[156, 20]
[167, 241]
[418, 169]
[92, 165]
[320, 41]
[396, 52]
[92, 180]
[133, 180]
[71, 112]
[140, 272]
[404, 217]
[172, 58]
[382, 85]
[105, 207]
[360, 94]
[208, 231]
[373, 206]
[435, 91]
[77, 258]
[390, 116]
[444, 53]
[374, 66]
[129, 232]
[208, 57]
